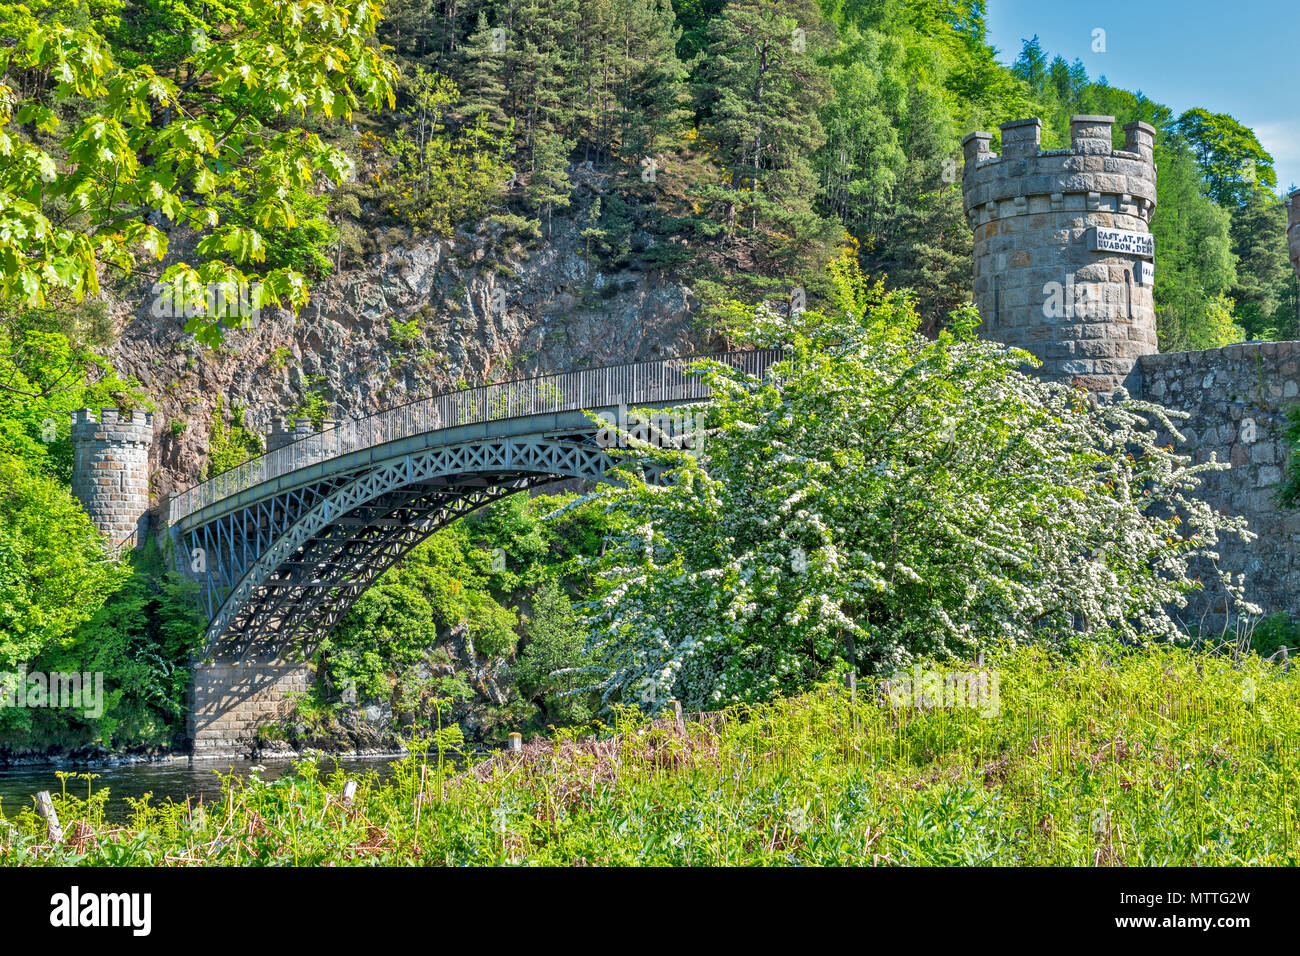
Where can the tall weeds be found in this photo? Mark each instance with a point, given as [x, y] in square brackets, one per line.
[1166, 757]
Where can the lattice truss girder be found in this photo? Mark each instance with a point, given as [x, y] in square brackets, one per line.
[282, 571]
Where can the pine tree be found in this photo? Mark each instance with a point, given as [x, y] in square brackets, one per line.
[759, 91]
[549, 187]
[483, 59]
[654, 103]
[1263, 264]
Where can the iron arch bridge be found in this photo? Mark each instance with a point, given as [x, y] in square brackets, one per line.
[284, 544]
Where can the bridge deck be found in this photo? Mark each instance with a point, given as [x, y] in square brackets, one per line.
[637, 384]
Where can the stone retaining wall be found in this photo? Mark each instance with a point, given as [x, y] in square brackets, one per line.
[1238, 397]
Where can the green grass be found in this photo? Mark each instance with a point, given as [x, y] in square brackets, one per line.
[1161, 757]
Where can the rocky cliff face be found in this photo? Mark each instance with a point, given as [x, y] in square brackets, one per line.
[424, 316]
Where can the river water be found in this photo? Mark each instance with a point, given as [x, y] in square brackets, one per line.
[174, 779]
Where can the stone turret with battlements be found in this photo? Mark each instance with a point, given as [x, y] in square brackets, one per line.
[1293, 231]
[281, 434]
[1064, 258]
[110, 471]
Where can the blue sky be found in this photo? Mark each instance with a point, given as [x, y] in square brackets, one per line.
[1240, 57]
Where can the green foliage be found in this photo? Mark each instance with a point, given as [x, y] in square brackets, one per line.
[1263, 303]
[313, 405]
[548, 187]
[65, 604]
[222, 129]
[50, 365]
[551, 668]
[1229, 155]
[759, 92]
[1289, 494]
[403, 333]
[1173, 758]
[607, 229]
[520, 543]
[230, 445]
[1197, 266]
[881, 496]
[440, 180]
[300, 243]
[1274, 632]
[450, 611]
[441, 586]
[54, 571]
[141, 639]
[890, 168]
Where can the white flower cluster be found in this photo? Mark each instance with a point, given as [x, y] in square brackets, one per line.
[885, 496]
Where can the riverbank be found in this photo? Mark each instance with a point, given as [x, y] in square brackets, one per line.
[174, 781]
[99, 759]
[347, 735]
[1159, 757]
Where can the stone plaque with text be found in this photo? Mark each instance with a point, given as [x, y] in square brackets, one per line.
[1123, 242]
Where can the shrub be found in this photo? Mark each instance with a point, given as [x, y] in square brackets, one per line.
[230, 445]
[439, 179]
[1290, 492]
[880, 495]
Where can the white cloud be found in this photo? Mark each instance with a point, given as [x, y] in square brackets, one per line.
[1282, 139]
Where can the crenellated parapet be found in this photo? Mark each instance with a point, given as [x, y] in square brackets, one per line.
[1064, 258]
[110, 471]
[281, 434]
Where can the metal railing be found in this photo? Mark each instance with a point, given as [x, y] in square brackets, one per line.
[639, 383]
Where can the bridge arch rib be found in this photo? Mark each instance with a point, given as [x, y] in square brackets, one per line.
[345, 534]
[284, 545]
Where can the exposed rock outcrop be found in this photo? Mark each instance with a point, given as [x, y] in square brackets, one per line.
[424, 316]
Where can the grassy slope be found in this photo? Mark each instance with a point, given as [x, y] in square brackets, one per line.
[1167, 757]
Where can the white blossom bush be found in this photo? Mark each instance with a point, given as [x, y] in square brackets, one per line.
[882, 496]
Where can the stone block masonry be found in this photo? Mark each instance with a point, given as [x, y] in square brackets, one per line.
[1064, 265]
[235, 694]
[1064, 269]
[110, 471]
[1238, 397]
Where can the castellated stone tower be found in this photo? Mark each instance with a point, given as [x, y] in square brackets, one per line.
[1293, 231]
[110, 471]
[1064, 258]
[281, 435]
